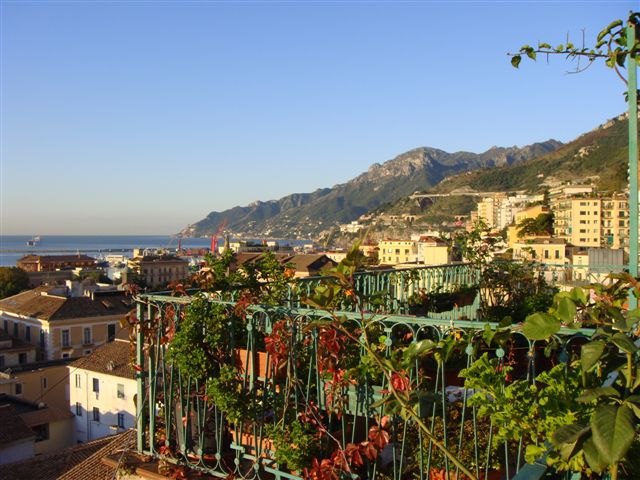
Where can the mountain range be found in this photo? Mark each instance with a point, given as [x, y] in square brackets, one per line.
[599, 154]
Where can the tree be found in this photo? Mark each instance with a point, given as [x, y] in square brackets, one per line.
[541, 225]
[12, 280]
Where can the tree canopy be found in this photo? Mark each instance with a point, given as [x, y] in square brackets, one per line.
[12, 280]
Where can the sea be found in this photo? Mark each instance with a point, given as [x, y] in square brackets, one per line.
[13, 247]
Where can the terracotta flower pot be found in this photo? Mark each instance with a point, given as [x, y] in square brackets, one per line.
[251, 443]
[251, 363]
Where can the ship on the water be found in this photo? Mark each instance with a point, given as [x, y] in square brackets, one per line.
[34, 241]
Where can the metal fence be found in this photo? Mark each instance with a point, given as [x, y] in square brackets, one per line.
[178, 423]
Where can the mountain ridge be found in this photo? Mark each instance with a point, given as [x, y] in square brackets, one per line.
[305, 215]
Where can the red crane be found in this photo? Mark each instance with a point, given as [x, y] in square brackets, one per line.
[214, 239]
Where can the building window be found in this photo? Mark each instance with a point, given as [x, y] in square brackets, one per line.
[78, 409]
[96, 385]
[65, 339]
[22, 358]
[65, 355]
[27, 334]
[546, 254]
[120, 390]
[15, 329]
[121, 420]
[5, 325]
[557, 253]
[42, 339]
[111, 332]
[87, 335]
[96, 414]
[18, 389]
[78, 381]
[42, 432]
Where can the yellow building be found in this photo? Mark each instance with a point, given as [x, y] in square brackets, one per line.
[590, 221]
[546, 250]
[393, 252]
[46, 382]
[158, 270]
[432, 251]
[578, 220]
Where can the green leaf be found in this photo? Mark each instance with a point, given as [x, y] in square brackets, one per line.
[595, 393]
[566, 310]
[578, 295]
[590, 353]
[613, 430]
[487, 334]
[531, 54]
[544, 45]
[515, 60]
[594, 457]
[569, 434]
[624, 343]
[634, 403]
[540, 326]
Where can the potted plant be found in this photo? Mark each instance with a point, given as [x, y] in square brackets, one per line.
[295, 444]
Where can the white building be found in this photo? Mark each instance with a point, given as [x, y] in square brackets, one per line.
[101, 392]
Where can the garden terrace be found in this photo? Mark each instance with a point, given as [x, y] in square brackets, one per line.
[254, 391]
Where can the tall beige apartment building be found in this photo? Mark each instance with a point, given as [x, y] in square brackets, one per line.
[592, 221]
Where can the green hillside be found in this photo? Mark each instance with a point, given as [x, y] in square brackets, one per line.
[601, 153]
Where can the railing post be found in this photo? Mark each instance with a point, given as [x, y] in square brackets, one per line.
[140, 423]
[632, 82]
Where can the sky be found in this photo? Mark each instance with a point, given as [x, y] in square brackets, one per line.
[140, 117]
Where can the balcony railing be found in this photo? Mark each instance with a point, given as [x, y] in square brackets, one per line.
[179, 423]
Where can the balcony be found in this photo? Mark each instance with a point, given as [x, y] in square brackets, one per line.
[286, 391]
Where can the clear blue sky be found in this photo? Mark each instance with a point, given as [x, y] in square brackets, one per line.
[141, 117]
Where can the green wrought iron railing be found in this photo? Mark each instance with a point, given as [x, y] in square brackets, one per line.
[179, 424]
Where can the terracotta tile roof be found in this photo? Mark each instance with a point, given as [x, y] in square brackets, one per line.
[13, 428]
[301, 262]
[308, 261]
[51, 466]
[93, 468]
[111, 358]
[37, 303]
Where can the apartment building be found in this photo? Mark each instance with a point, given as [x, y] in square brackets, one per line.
[158, 270]
[38, 382]
[14, 351]
[499, 210]
[432, 251]
[51, 263]
[592, 221]
[65, 322]
[102, 390]
[615, 221]
[394, 252]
